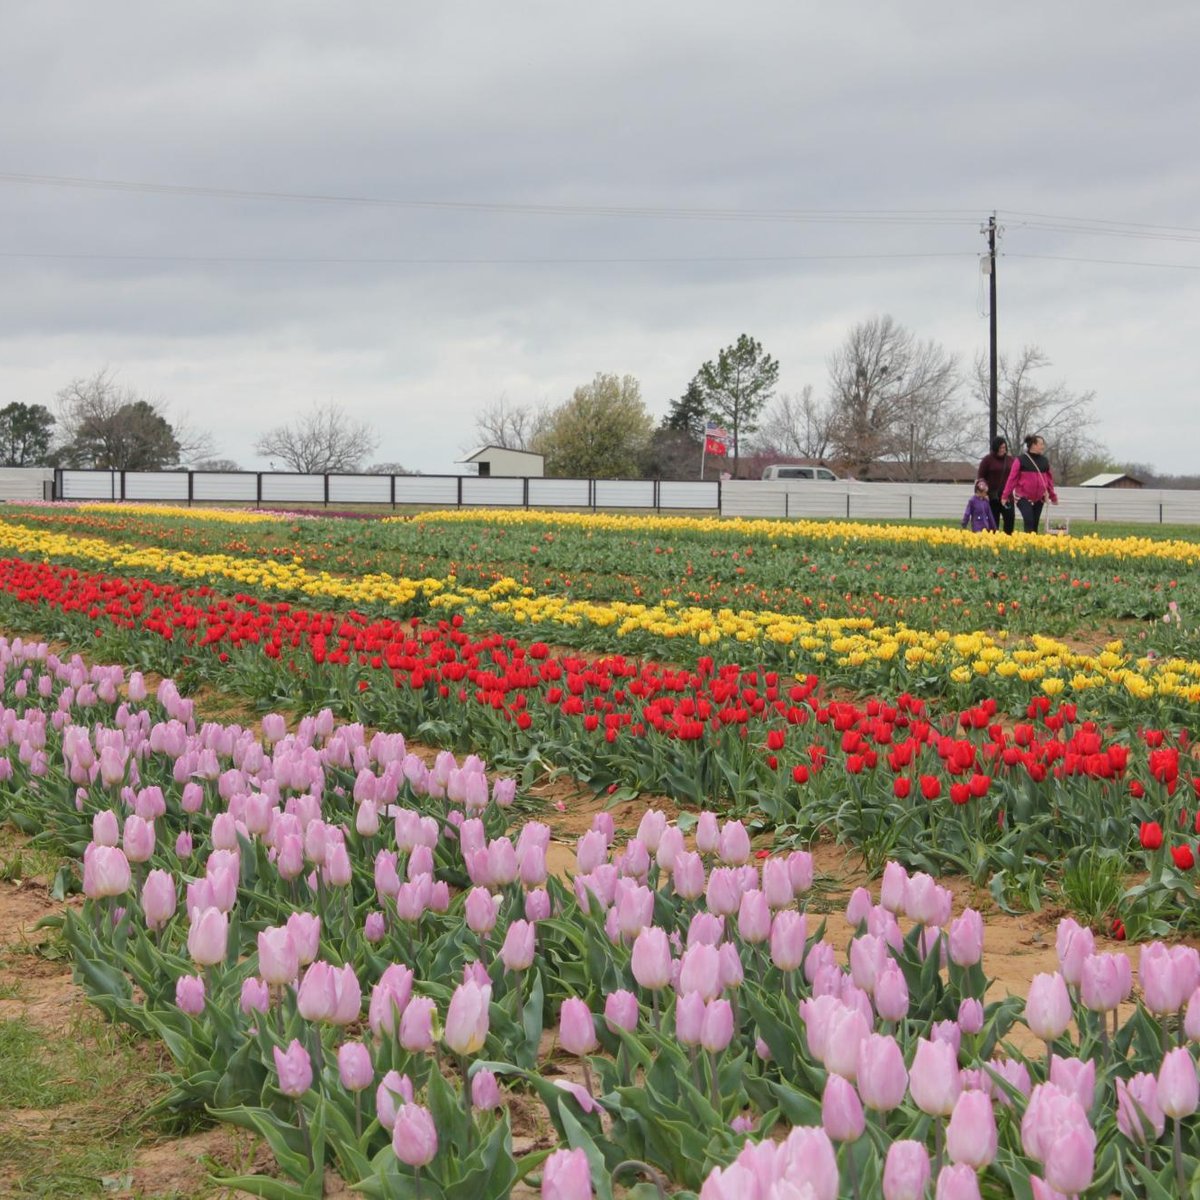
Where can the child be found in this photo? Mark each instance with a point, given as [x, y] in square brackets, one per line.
[979, 511]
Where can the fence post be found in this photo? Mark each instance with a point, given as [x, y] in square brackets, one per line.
[847, 506]
[657, 495]
[1160, 520]
[1096, 513]
[525, 489]
[191, 487]
[326, 489]
[123, 493]
[460, 479]
[787, 506]
[393, 489]
[909, 504]
[258, 490]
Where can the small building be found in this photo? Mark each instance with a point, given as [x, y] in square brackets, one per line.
[1112, 480]
[500, 462]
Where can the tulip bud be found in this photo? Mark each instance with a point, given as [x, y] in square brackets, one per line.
[934, 1079]
[906, 1171]
[651, 959]
[971, 1133]
[957, 1182]
[1178, 1085]
[414, 1136]
[966, 938]
[881, 1076]
[567, 1175]
[256, 996]
[842, 1115]
[467, 1018]
[189, 994]
[485, 1091]
[208, 937]
[621, 1011]
[416, 1025]
[1076, 1078]
[1048, 1007]
[278, 961]
[970, 1016]
[158, 898]
[354, 1066]
[689, 1018]
[517, 952]
[716, 1030]
[394, 1090]
[294, 1068]
[576, 1029]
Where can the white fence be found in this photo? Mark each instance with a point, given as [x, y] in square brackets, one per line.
[24, 483]
[788, 499]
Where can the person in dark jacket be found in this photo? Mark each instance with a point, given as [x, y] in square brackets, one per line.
[993, 470]
[979, 511]
[1030, 482]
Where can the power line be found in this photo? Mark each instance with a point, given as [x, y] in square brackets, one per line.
[834, 215]
[543, 261]
[1107, 262]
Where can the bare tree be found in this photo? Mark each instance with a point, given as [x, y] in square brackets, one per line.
[795, 427]
[894, 398]
[507, 425]
[215, 464]
[106, 424]
[1023, 406]
[323, 440]
[389, 468]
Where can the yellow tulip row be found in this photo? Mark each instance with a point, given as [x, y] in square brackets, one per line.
[1084, 546]
[238, 516]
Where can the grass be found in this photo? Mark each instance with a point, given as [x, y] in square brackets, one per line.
[1092, 887]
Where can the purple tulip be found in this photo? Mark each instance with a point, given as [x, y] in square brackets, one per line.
[1073, 944]
[208, 937]
[733, 843]
[730, 971]
[634, 907]
[306, 935]
[754, 917]
[777, 883]
[842, 1115]
[1162, 982]
[189, 994]
[354, 1066]
[1048, 1007]
[105, 829]
[847, 1030]
[1178, 1085]
[183, 845]
[590, 851]
[1071, 1160]
[414, 1136]
[881, 1076]
[537, 905]
[934, 1079]
[374, 927]
[891, 993]
[566, 1175]
[576, 1027]
[1105, 980]
[687, 876]
[868, 955]
[467, 1018]
[724, 891]
[481, 908]
[894, 888]
[708, 833]
[294, 1068]
[970, 1016]
[394, 1089]
[105, 871]
[706, 927]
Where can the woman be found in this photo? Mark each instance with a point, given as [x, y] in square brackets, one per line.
[993, 470]
[1030, 482]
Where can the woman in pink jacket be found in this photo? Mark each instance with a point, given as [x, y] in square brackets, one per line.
[1031, 482]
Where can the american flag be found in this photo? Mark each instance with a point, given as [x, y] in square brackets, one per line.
[715, 439]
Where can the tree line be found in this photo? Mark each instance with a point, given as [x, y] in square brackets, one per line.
[893, 404]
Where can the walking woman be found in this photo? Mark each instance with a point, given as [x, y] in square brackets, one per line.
[1030, 482]
[993, 470]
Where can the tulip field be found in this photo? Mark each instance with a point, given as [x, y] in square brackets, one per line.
[342, 917]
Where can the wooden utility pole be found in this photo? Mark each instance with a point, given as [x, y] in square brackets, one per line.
[993, 420]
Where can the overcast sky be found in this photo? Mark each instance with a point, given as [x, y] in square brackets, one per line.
[222, 306]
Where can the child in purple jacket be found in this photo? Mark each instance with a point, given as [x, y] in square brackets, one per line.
[979, 511]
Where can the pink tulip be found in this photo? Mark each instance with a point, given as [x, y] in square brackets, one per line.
[1104, 981]
[183, 845]
[733, 843]
[859, 907]
[708, 833]
[306, 934]
[294, 1068]
[414, 1136]
[1073, 943]
[1161, 980]
[1178, 1085]
[868, 955]
[724, 891]
[670, 847]
[278, 961]
[416, 1025]
[906, 1171]
[1139, 1116]
[481, 908]
[970, 1016]
[1075, 1077]
[700, 971]
[485, 1091]
[634, 905]
[1048, 1007]
[881, 1075]
[842, 1115]
[689, 1018]
[1049, 1112]
[894, 887]
[591, 850]
[651, 828]
[800, 869]
[730, 971]
[777, 883]
[966, 938]
[934, 1079]
[957, 1182]
[467, 1018]
[576, 1027]
[971, 1134]
[208, 937]
[517, 952]
[394, 1089]
[105, 829]
[105, 871]
[158, 898]
[789, 937]
[354, 1066]
[1071, 1160]
[687, 876]
[650, 961]
[848, 1029]
[189, 994]
[255, 997]
[621, 1011]
[754, 917]
[716, 1030]
[566, 1175]
[891, 993]
[374, 927]
[537, 905]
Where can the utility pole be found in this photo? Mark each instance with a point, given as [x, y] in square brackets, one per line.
[990, 230]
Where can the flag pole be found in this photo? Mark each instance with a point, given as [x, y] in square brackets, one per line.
[703, 452]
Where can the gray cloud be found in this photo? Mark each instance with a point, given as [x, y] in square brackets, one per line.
[1073, 110]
